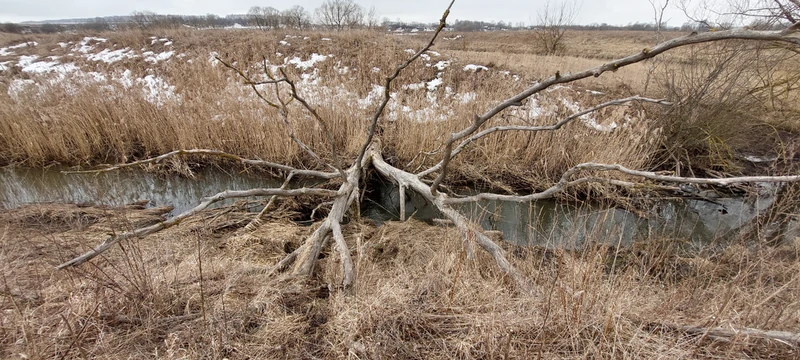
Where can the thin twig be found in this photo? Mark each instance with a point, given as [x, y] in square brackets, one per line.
[228, 194]
[387, 85]
[252, 162]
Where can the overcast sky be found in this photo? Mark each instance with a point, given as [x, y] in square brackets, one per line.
[598, 11]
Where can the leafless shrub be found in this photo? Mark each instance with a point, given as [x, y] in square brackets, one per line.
[296, 17]
[264, 18]
[552, 22]
[340, 14]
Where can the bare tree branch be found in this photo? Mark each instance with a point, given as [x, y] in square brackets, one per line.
[565, 182]
[157, 159]
[336, 161]
[284, 111]
[387, 85]
[257, 219]
[308, 253]
[786, 337]
[553, 127]
[735, 34]
[228, 194]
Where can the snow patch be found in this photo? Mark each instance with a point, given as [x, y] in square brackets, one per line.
[305, 65]
[154, 58]
[28, 64]
[212, 58]
[441, 65]
[6, 50]
[588, 119]
[475, 68]
[85, 45]
[157, 91]
[466, 98]
[110, 57]
[433, 84]
[376, 93]
[415, 86]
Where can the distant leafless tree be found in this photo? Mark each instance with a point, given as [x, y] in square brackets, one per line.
[296, 17]
[372, 21]
[97, 24]
[659, 7]
[759, 14]
[340, 14]
[552, 22]
[144, 19]
[264, 18]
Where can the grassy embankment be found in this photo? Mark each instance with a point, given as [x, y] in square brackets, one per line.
[74, 120]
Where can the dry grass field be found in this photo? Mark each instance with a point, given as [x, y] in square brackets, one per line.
[88, 99]
[203, 289]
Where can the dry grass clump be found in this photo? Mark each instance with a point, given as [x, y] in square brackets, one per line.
[201, 291]
[737, 99]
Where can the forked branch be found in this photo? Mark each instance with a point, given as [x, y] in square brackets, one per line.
[553, 127]
[388, 84]
[565, 182]
[694, 38]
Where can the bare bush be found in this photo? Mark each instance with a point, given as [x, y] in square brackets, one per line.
[553, 19]
[340, 14]
[296, 17]
[264, 18]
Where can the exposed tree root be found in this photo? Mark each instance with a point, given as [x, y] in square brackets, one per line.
[467, 227]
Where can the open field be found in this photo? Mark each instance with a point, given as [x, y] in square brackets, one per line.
[200, 291]
[206, 289]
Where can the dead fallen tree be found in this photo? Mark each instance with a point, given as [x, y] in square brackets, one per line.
[349, 173]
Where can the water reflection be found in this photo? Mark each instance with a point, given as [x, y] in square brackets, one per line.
[20, 186]
[542, 223]
[565, 225]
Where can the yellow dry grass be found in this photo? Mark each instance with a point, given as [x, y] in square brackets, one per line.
[68, 123]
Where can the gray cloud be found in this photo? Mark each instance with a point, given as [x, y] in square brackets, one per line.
[599, 11]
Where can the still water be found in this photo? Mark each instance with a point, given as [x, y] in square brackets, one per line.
[542, 223]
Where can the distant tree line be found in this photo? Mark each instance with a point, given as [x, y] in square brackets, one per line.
[335, 15]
